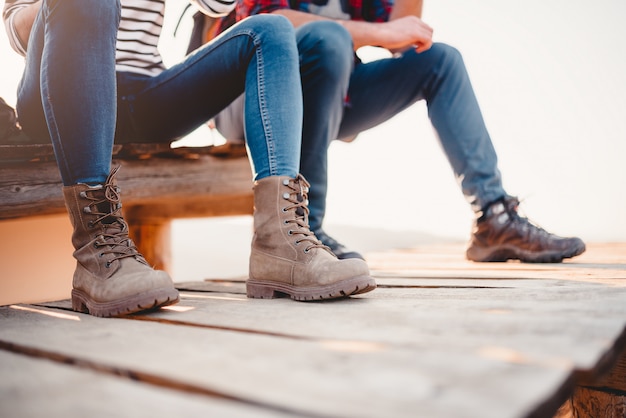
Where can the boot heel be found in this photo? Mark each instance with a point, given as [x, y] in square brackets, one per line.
[78, 304]
[260, 291]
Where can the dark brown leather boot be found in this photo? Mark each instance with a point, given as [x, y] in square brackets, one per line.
[501, 234]
[112, 278]
[286, 256]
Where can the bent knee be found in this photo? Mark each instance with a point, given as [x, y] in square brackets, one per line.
[327, 41]
[446, 53]
[279, 25]
[324, 36]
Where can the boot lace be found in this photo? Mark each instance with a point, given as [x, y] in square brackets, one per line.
[524, 225]
[298, 197]
[107, 209]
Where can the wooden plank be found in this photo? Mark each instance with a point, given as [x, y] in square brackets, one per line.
[616, 377]
[593, 403]
[164, 184]
[501, 346]
[37, 387]
[604, 262]
[21, 149]
[311, 377]
[603, 397]
[558, 332]
[507, 324]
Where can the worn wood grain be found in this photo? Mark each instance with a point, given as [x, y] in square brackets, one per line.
[594, 403]
[499, 340]
[164, 184]
[154, 191]
[340, 378]
[37, 387]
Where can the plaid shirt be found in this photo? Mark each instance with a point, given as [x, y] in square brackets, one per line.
[368, 10]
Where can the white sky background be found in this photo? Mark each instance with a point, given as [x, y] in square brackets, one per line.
[550, 76]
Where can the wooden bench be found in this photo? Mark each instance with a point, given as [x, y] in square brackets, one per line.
[158, 183]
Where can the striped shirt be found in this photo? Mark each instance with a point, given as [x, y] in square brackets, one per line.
[138, 33]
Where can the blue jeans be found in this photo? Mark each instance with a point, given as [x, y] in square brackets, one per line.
[377, 91]
[343, 98]
[86, 104]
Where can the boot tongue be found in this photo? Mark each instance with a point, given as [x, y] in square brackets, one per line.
[110, 208]
[302, 197]
[300, 209]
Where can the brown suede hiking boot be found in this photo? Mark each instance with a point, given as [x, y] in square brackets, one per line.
[501, 234]
[286, 256]
[111, 278]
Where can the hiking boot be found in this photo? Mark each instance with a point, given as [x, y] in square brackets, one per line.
[111, 278]
[337, 248]
[501, 234]
[287, 258]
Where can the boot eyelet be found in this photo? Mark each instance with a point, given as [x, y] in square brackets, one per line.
[107, 264]
[284, 210]
[290, 232]
[101, 255]
[286, 195]
[307, 250]
[90, 224]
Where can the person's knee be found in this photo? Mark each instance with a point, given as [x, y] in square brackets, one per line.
[446, 54]
[327, 46]
[280, 25]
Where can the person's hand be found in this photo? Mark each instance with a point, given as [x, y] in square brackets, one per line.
[404, 33]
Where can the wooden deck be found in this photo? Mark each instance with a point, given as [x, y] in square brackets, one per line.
[440, 337]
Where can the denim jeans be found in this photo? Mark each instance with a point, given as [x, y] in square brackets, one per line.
[86, 104]
[343, 98]
[381, 89]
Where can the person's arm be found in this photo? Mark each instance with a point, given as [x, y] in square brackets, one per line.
[400, 33]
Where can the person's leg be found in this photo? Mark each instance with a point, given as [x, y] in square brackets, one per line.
[286, 257]
[326, 64]
[247, 58]
[327, 61]
[381, 89]
[68, 89]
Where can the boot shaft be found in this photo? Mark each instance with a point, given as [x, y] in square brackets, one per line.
[100, 237]
[281, 218]
[286, 256]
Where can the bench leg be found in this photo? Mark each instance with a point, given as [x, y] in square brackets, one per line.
[153, 239]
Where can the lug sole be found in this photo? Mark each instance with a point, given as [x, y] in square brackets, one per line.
[259, 289]
[503, 253]
[81, 302]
